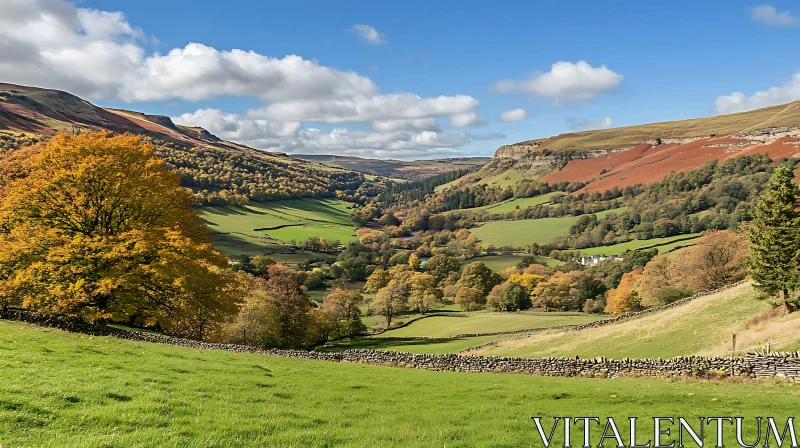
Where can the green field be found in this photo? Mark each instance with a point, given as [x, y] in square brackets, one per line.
[498, 263]
[486, 322]
[527, 231]
[703, 326]
[64, 390]
[662, 244]
[262, 228]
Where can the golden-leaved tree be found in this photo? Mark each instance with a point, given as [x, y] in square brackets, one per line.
[96, 226]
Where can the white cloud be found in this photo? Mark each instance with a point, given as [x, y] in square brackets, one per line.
[768, 15]
[101, 56]
[582, 124]
[369, 108]
[369, 34]
[513, 115]
[466, 119]
[739, 102]
[565, 81]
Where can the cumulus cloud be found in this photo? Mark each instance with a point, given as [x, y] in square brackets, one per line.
[513, 115]
[768, 15]
[565, 81]
[101, 56]
[466, 119]
[369, 108]
[582, 124]
[739, 102]
[369, 34]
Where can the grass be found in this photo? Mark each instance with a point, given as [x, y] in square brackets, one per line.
[704, 325]
[485, 322]
[662, 244]
[499, 263]
[527, 231]
[65, 390]
[262, 228]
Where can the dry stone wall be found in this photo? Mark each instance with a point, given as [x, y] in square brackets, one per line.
[751, 366]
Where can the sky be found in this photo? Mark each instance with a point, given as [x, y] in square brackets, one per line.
[411, 79]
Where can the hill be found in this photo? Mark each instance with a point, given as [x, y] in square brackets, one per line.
[219, 171]
[69, 390]
[645, 153]
[703, 326]
[398, 169]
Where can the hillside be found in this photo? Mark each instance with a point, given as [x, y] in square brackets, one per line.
[398, 169]
[644, 153]
[72, 390]
[220, 171]
[701, 327]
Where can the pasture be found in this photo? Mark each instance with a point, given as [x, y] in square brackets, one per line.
[73, 391]
[524, 232]
[662, 244]
[509, 205]
[501, 262]
[703, 326]
[263, 228]
[452, 324]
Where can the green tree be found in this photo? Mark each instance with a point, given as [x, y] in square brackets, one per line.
[441, 265]
[775, 237]
[477, 275]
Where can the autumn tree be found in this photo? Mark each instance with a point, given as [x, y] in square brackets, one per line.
[624, 297]
[423, 292]
[775, 236]
[377, 280]
[665, 279]
[470, 299]
[97, 226]
[441, 265]
[414, 262]
[390, 301]
[342, 305]
[508, 296]
[719, 258]
[476, 275]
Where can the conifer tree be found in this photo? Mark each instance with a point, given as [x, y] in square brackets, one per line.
[775, 237]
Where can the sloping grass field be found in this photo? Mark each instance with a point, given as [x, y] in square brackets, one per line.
[67, 390]
[486, 322]
[527, 231]
[261, 228]
[501, 262]
[703, 326]
[662, 244]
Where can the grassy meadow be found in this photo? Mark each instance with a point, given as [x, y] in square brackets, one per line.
[262, 228]
[527, 231]
[501, 262]
[701, 327]
[66, 390]
[662, 244]
[486, 322]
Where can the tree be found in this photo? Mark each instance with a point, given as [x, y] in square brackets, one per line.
[414, 262]
[342, 305]
[476, 275]
[292, 305]
[527, 281]
[441, 265]
[624, 297]
[508, 296]
[719, 258]
[775, 236]
[97, 226]
[390, 301]
[423, 292]
[470, 299]
[377, 281]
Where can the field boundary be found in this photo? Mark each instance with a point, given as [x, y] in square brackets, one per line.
[752, 366]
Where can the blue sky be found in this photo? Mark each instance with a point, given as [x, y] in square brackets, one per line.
[646, 62]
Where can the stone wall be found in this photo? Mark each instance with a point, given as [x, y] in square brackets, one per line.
[753, 365]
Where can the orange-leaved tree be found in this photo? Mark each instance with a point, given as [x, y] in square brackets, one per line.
[98, 227]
